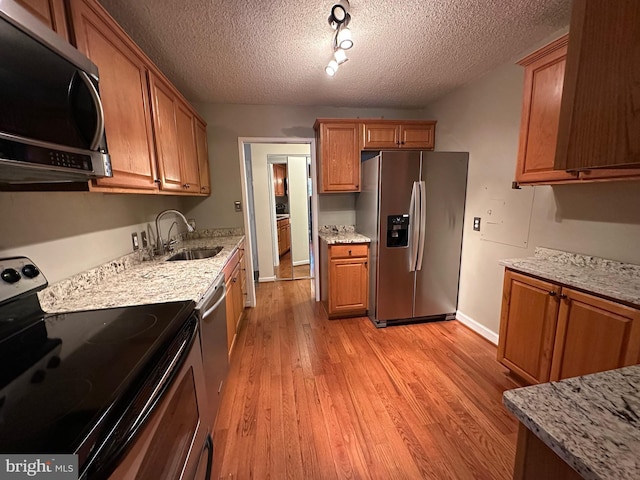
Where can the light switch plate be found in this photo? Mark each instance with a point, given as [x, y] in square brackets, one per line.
[238, 206]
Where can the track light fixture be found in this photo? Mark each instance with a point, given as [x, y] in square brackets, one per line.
[339, 19]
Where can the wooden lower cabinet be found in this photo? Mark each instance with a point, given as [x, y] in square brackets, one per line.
[344, 287]
[594, 335]
[284, 236]
[233, 274]
[528, 326]
[550, 332]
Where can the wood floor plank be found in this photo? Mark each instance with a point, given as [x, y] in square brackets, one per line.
[312, 398]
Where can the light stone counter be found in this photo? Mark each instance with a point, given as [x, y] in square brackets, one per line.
[591, 422]
[337, 234]
[129, 281]
[619, 281]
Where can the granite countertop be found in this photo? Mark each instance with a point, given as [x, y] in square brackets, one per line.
[130, 281]
[336, 234]
[619, 281]
[592, 422]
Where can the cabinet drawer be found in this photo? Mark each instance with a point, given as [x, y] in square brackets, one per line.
[231, 265]
[351, 250]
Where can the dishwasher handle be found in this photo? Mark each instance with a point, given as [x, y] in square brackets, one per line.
[215, 305]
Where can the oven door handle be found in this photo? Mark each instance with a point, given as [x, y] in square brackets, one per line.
[165, 381]
[124, 432]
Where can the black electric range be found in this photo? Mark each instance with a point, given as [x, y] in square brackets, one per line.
[68, 381]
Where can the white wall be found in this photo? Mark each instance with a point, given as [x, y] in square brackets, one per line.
[263, 201]
[68, 232]
[298, 209]
[225, 123]
[597, 219]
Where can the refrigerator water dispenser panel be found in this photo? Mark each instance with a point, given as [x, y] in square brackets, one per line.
[397, 231]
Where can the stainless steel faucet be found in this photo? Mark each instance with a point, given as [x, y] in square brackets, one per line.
[159, 243]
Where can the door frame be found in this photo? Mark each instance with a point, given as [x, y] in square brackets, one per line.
[242, 141]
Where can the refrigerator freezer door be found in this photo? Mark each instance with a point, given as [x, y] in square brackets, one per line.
[445, 177]
[394, 281]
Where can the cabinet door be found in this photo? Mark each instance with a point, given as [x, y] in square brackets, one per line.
[278, 180]
[594, 335]
[123, 88]
[238, 299]
[203, 157]
[231, 316]
[543, 80]
[339, 157]
[185, 126]
[417, 136]
[600, 118]
[164, 123]
[528, 326]
[380, 136]
[49, 12]
[348, 285]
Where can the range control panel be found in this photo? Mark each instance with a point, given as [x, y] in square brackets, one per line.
[19, 275]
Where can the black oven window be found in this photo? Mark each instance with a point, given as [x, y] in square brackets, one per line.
[168, 450]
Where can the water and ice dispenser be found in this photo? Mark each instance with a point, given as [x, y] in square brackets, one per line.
[397, 231]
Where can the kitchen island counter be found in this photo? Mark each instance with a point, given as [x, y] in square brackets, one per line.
[591, 422]
[130, 281]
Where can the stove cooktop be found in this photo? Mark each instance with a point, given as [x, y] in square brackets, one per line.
[66, 377]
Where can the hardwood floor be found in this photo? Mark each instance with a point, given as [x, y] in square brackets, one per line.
[286, 270]
[312, 398]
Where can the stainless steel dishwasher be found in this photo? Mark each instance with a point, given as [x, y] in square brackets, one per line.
[212, 312]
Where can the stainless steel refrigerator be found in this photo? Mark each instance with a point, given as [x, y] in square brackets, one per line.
[412, 207]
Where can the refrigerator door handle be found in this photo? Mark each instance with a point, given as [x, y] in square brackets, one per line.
[422, 228]
[414, 224]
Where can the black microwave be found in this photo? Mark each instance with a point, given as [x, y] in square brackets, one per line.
[51, 116]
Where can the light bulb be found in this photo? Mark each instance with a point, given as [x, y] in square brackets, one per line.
[340, 56]
[331, 68]
[344, 38]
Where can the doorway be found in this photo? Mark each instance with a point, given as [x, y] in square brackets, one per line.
[291, 220]
[263, 198]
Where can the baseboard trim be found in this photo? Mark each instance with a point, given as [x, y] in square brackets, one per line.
[267, 279]
[301, 262]
[477, 327]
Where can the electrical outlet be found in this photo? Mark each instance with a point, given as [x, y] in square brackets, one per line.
[134, 240]
[476, 224]
[145, 242]
[238, 206]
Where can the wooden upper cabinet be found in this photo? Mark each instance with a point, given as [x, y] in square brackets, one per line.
[600, 113]
[187, 150]
[203, 157]
[393, 134]
[594, 335]
[543, 80]
[50, 12]
[338, 155]
[279, 176]
[123, 89]
[175, 135]
[528, 326]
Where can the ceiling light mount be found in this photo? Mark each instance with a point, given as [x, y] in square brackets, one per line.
[339, 19]
[340, 14]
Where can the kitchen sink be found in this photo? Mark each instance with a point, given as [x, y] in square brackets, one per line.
[195, 254]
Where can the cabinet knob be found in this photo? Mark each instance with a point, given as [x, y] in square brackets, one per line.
[157, 180]
[349, 252]
[562, 295]
[186, 185]
[402, 142]
[552, 294]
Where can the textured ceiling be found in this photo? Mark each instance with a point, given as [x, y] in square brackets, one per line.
[405, 54]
